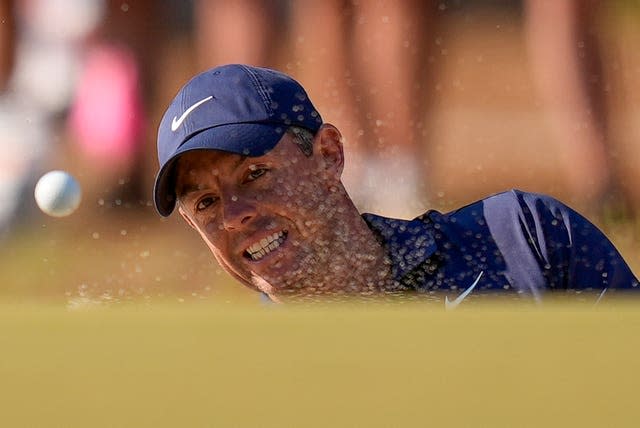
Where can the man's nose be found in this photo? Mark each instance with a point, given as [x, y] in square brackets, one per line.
[237, 211]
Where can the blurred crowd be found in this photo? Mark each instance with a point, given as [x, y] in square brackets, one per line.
[83, 84]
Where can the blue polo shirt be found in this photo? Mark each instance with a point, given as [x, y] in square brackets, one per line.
[516, 241]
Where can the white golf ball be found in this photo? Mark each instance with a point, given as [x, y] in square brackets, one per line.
[58, 193]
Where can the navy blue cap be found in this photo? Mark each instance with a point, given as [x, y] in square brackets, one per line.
[234, 108]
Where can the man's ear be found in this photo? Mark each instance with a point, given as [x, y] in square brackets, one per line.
[186, 218]
[328, 145]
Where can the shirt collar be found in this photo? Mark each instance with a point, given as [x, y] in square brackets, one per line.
[408, 243]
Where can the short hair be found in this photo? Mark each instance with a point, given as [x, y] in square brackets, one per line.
[303, 139]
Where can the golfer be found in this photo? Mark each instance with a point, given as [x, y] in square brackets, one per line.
[249, 164]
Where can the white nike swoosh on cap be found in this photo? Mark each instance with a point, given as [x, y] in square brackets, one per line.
[452, 305]
[176, 122]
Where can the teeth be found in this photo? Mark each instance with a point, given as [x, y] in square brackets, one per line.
[266, 245]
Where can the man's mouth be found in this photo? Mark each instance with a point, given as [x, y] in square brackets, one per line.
[266, 245]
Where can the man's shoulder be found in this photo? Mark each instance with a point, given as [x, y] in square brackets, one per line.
[513, 201]
[514, 198]
[503, 212]
[508, 214]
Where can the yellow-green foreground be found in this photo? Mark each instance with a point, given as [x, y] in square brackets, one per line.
[367, 365]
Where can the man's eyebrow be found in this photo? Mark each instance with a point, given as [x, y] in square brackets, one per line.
[185, 190]
[195, 187]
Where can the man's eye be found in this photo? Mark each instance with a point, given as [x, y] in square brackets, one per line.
[204, 203]
[256, 173]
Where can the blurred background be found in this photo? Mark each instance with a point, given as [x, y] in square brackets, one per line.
[439, 102]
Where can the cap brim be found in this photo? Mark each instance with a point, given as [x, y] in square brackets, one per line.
[246, 139]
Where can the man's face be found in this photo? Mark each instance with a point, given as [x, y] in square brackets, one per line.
[265, 216]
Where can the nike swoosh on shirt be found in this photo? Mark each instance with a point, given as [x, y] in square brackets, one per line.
[452, 305]
[600, 296]
[177, 121]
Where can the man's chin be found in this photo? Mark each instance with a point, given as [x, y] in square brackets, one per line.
[279, 284]
[301, 285]
[289, 274]
[263, 285]
[283, 270]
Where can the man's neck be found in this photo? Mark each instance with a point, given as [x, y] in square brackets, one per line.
[364, 267]
[350, 262]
